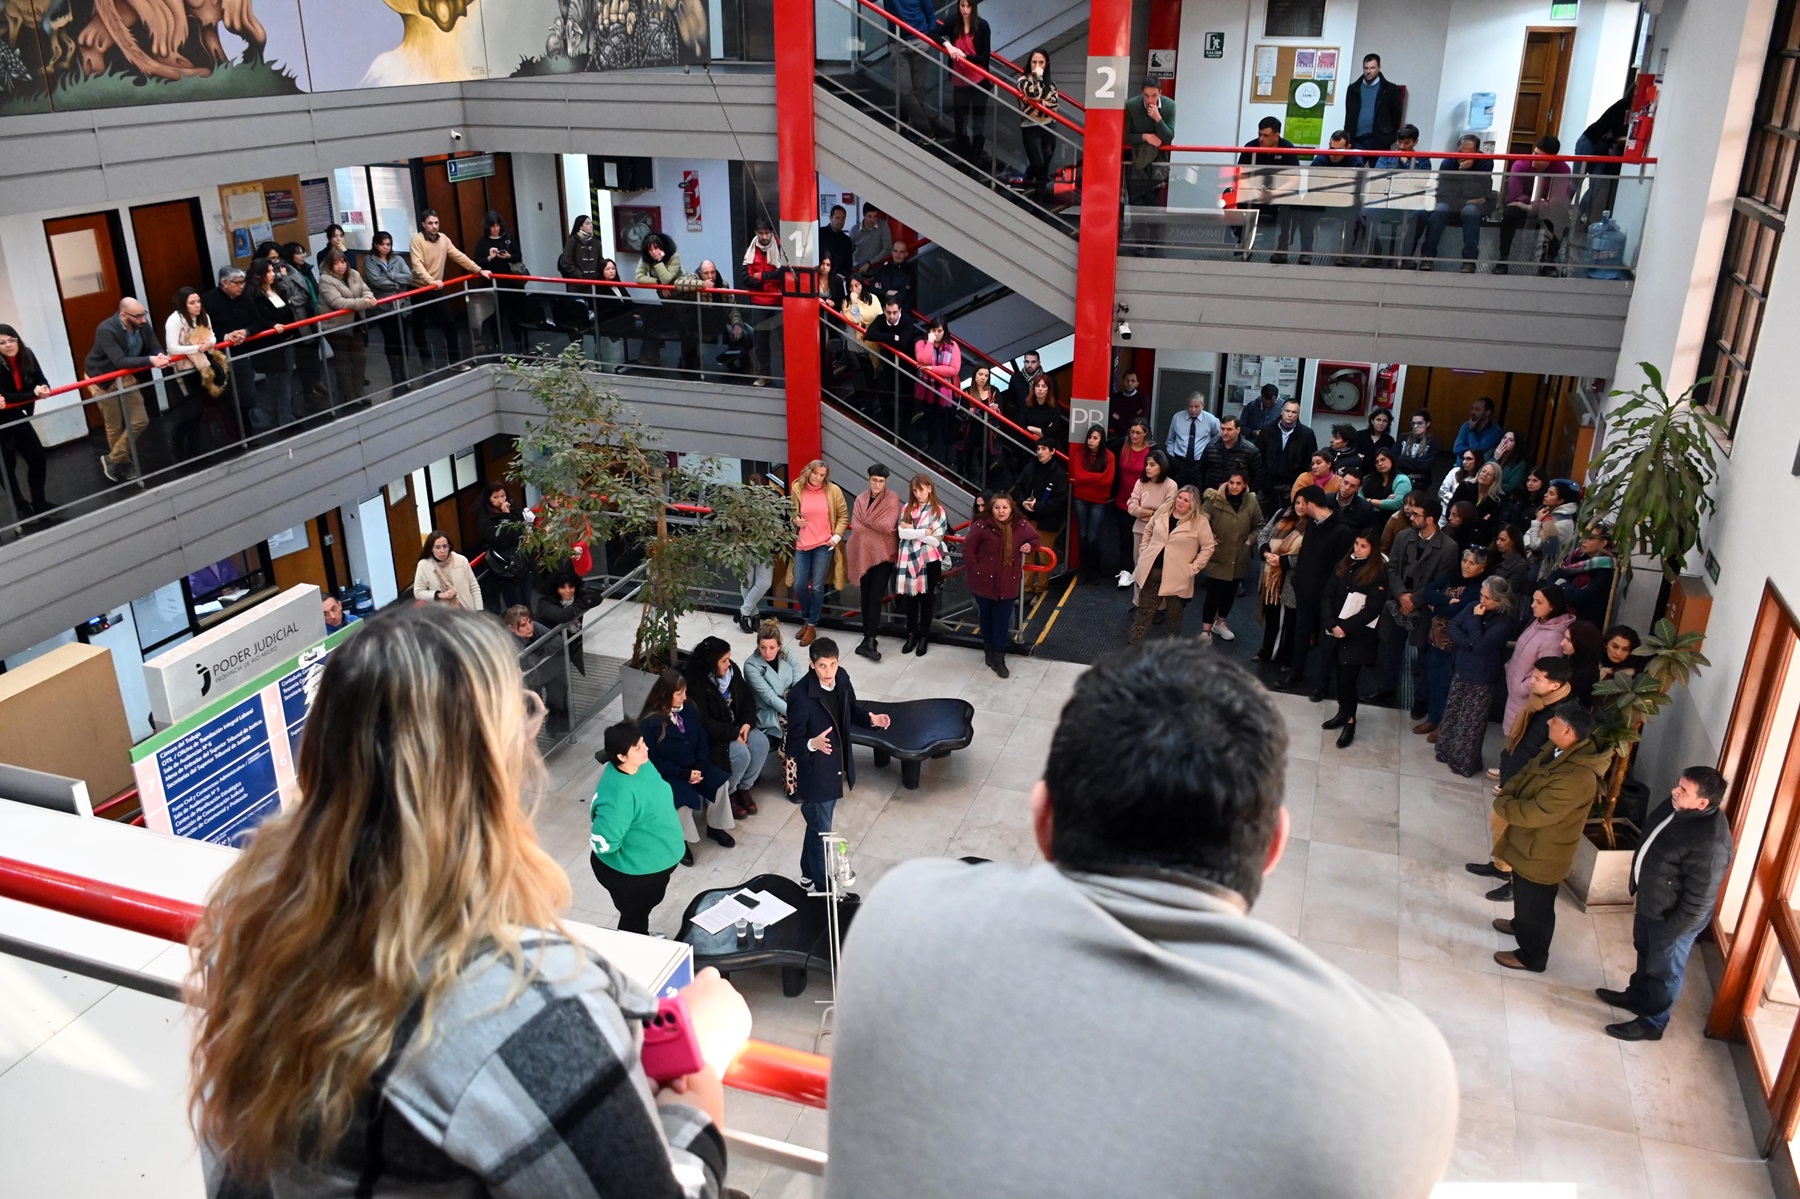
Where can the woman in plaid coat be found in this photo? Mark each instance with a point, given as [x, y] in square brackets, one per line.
[923, 530]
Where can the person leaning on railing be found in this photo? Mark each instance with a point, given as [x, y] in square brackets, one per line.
[432, 254]
[22, 385]
[385, 999]
[660, 264]
[388, 274]
[123, 342]
[192, 373]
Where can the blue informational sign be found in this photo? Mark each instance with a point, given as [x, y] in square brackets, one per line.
[297, 689]
[218, 779]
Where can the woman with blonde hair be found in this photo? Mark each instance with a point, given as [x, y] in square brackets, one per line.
[1177, 544]
[924, 527]
[385, 999]
[822, 516]
[444, 576]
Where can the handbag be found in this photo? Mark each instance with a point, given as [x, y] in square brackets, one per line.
[790, 769]
[506, 564]
[443, 586]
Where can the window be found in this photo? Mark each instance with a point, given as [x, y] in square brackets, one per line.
[1294, 18]
[1758, 219]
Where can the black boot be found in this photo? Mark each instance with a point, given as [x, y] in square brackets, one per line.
[1347, 735]
[927, 608]
[912, 639]
[869, 649]
[997, 662]
[1336, 722]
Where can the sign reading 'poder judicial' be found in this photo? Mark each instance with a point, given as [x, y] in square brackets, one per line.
[187, 677]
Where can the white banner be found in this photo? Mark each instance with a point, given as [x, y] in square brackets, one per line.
[222, 658]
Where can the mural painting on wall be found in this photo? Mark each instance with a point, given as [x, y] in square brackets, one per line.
[79, 54]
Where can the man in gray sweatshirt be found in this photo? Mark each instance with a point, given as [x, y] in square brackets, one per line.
[1109, 1021]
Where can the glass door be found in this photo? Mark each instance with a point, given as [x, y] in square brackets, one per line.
[1756, 923]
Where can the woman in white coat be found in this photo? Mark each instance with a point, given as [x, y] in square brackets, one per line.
[444, 576]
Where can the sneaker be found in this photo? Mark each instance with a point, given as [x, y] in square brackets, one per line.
[1426, 264]
[1222, 631]
[1467, 268]
[1205, 637]
[106, 468]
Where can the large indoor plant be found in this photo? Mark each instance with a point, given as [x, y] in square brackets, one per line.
[604, 477]
[1652, 477]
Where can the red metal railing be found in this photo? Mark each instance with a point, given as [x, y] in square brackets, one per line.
[980, 72]
[1313, 153]
[761, 1068]
[1023, 433]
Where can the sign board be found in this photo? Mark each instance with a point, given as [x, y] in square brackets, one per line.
[475, 166]
[1162, 64]
[1304, 124]
[185, 678]
[1084, 414]
[800, 242]
[1565, 10]
[1215, 45]
[226, 768]
[1108, 80]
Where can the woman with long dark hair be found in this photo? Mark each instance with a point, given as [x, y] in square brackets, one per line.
[1442, 602]
[1133, 457]
[1280, 541]
[188, 336]
[22, 385]
[341, 287]
[1091, 470]
[682, 753]
[393, 940]
[993, 550]
[497, 250]
[1355, 595]
[1583, 645]
[1038, 100]
[387, 275]
[727, 711]
[968, 41]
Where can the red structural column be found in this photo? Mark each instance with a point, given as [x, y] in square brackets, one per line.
[1097, 260]
[799, 224]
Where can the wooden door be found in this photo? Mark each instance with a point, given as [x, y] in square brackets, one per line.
[460, 206]
[172, 253]
[1543, 78]
[404, 538]
[92, 276]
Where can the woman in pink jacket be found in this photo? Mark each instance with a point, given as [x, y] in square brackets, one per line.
[1541, 638]
[940, 365]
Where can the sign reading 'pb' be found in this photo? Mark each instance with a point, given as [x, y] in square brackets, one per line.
[181, 680]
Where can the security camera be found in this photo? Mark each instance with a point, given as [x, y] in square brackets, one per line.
[456, 135]
[1124, 330]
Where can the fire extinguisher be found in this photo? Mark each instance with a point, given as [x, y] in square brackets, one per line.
[1642, 119]
[1387, 383]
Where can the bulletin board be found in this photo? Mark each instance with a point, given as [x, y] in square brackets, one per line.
[263, 210]
[1274, 67]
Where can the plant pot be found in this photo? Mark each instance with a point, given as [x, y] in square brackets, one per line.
[1600, 879]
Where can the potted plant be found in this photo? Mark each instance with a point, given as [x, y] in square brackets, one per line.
[604, 477]
[1652, 478]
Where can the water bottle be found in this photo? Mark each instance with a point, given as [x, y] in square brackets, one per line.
[1606, 249]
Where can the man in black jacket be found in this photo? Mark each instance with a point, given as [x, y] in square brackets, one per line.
[835, 244]
[1675, 874]
[1372, 107]
[1229, 453]
[1327, 540]
[1287, 449]
[821, 708]
[1043, 492]
[897, 336]
[1358, 513]
[898, 277]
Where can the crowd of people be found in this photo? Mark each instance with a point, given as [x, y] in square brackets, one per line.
[430, 995]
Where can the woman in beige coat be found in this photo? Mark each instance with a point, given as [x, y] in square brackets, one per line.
[444, 576]
[341, 287]
[1176, 546]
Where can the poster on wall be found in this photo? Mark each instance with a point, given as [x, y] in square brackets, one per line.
[284, 206]
[690, 200]
[222, 771]
[1304, 124]
[315, 202]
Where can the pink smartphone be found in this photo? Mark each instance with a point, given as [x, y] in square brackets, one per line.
[671, 1050]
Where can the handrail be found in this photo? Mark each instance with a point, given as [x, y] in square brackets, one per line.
[1313, 153]
[110, 376]
[1024, 434]
[1061, 96]
[335, 313]
[761, 1068]
[982, 72]
[967, 345]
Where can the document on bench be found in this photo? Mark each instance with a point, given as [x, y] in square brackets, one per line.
[761, 908]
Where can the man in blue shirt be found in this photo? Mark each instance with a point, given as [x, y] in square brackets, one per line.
[1372, 107]
[1263, 411]
[1190, 432]
[1479, 432]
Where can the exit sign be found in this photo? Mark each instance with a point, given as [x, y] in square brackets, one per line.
[1215, 45]
[1563, 10]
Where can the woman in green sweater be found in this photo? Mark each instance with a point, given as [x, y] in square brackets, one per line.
[636, 836]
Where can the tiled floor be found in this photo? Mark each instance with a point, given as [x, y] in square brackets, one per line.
[1373, 882]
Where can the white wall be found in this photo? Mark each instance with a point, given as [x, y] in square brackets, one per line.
[1411, 39]
[1482, 54]
[714, 240]
[537, 193]
[1604, 36]
[1714, 66]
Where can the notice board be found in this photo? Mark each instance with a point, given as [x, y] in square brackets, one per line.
[1273, 68]
[222, 771]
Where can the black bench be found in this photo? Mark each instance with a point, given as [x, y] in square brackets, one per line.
[917, 729]
[796, 943]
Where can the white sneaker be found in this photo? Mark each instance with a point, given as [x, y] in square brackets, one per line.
[1205, 637]
[1125, 579]
[1222, 631]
